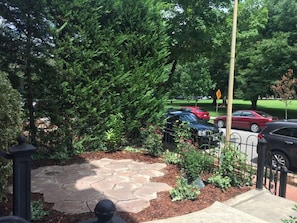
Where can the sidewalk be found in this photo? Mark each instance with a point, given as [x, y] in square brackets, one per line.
[255, 206]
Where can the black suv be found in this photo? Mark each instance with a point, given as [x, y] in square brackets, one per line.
[204, 133]
[281, 138]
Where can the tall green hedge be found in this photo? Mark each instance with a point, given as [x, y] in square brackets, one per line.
[10, 127]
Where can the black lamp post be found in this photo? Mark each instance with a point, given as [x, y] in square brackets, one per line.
[21, 154]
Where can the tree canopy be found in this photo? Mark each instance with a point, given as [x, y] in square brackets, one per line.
[96, 63]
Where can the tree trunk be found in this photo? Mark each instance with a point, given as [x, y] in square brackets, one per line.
[254, 103]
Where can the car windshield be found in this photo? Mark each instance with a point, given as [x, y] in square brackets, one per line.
[188, 118]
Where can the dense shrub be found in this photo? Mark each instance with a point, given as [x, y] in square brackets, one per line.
[10, 127]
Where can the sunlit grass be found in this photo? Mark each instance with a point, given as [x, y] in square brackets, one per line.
[274, 107]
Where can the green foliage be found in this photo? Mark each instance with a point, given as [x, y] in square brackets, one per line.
[61, 155]
[10, 126]
[132, 149]
[232, 170]
[192, 79]
[184, 190]
[26, 52]
[152, 140]
[263, 38]
[172, 157]
[114, 135]
[37, 212]
[193, 161]
[292, 219]
[182, 134]
[112, 57]
[220, 181]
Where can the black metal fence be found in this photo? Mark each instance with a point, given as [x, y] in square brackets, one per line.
[264, 169]
[272, 174]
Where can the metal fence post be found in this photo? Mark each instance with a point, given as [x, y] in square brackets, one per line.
[283, 181]
[22, 178]
[260, 167]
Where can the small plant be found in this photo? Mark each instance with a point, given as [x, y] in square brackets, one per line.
[37, 212]
[152, 140]
[184, 191]
[220, 181]
[114, 135]
[172, 157]
[132, 150]
[292, 219]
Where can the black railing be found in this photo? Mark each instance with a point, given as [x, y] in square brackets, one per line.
[271, 174]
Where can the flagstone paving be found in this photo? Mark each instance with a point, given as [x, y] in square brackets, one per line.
[77, 188]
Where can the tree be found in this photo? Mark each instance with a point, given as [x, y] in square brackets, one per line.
[195, 29]
[252, 19]
[285, 88]
[25, 42]
[111, 57]
[264, 48]
[193, 79]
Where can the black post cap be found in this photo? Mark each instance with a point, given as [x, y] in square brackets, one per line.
[104, 210]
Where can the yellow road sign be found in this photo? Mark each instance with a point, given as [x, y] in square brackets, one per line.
[218, 94]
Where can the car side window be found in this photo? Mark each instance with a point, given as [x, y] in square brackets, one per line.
[238, 113]
[284, 132]
[247, 114]
[294, 132]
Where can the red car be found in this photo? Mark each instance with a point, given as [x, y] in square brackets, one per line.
[252, 120]
[198, 111]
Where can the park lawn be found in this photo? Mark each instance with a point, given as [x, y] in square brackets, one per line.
[274, 107]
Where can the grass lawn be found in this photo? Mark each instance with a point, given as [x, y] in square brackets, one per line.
[273, 107]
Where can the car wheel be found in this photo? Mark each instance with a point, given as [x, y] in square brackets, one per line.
[255, 128]
[221, 123]
[278, 158]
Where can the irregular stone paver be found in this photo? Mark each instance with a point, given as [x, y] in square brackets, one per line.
[77, 188]
[136, 205]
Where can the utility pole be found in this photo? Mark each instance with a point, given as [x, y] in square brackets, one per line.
[231, 74]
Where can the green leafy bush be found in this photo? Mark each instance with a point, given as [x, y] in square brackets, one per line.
[152, 137]
[194, 162]
[232, 169]
[184, 191]
[10, 125]
[114, 135]
[220, 181]
[172, 157]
